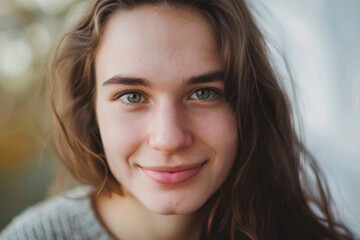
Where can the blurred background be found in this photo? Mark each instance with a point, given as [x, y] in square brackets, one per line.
[320, 40]
[29, 30]
[321, 43]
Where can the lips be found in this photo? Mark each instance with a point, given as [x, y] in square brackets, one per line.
[172, 175]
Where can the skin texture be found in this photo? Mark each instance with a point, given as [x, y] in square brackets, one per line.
[160, 121]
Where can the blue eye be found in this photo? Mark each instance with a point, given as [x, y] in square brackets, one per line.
[131, 97]
[203, 94]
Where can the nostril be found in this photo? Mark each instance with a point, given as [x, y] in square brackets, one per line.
[170, 141]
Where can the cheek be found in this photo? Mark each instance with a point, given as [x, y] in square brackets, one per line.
[218, 128]
[120, 133]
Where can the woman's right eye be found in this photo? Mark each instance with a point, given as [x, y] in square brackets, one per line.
[131, 97]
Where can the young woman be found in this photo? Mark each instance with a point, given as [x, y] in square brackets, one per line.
[172, 114]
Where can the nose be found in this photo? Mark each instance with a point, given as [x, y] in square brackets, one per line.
[168, 133]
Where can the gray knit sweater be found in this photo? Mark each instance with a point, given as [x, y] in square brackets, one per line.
[57, 218]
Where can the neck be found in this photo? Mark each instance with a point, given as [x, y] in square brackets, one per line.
[126, 218]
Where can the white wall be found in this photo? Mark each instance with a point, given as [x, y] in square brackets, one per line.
[321, 41]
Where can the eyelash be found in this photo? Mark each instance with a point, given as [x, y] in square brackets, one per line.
[214, 94]
[122, 94]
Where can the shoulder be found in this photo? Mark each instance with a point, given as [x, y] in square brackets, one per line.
[61, 217]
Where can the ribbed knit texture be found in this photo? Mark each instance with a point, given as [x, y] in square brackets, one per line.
[57, 218]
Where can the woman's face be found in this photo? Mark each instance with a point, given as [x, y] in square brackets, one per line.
[169, 136]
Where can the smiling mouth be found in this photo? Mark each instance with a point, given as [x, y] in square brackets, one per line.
[172, 175]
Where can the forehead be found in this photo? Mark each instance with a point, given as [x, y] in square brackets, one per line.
[156, 40]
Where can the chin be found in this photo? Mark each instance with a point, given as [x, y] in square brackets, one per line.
[168, 211]
[172, 208]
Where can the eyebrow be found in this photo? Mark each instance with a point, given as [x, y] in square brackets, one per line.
[203, 78]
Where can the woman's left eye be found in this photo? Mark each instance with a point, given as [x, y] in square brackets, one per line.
[204, 94]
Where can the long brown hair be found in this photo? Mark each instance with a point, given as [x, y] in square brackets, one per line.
[268, 194]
